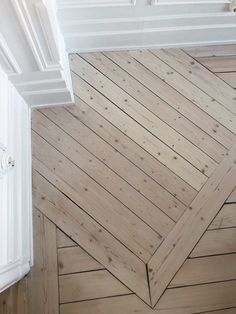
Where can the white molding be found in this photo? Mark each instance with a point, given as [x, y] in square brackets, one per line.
[7, 59]
[150, 23]
[45, 22]
[94, 3]
[27, 23]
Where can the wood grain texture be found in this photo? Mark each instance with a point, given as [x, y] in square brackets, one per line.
[206, 297]
[229, 78]
[166, 179]
[173, 97]
[187, 89]
[232, 197]
[165, 263]
[88, 233]
[43, 295]
[200, 76]
[226, 217]
[212, 51]
[214, 242]
[75, 260]
[206, 269]
[219, 64]
[63, 240]
[97, 202]
[156, 105]
[157, 128]
[117, 183]
[135, 173]
[89, 285]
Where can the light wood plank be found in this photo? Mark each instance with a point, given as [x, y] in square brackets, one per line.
[214, 242]
[97, 202]
[187, 89]
[63, 240]
[199, 298]
[14, 300]
[226, 217]
[189, 229]
[173, 98]
[224, 311]
[144, 117]
[232, 197]
[87, 232]
[200, 76]
[131, 304]
[140, 135]
[75, 260]
[212, 51]
[137, 155]
[96, 169]
[205, 270]
[42, 281]
[156, 105]
[229, 78]
[125, 304]
[219, 64]
[89, 285]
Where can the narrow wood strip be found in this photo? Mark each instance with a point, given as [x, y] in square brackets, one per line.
[194, 299]
[205, 270]
[187, 89]
[212, 51]
[219, 64]
[96, 168]
[75, 260]
[89, 285]
[173, 98]
[144, 117]
[224, 311]
[137, 155]
[14, 300]
[43, 282]
[129, 304]
[89, 234]
[226, 217]
[229, 78]
[141, 136]
[232, 197]
[189, 229]
[63, 240]
[200, 76]
[221, 241]
[156, 105]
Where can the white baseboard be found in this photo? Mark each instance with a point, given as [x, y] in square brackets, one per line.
[102, 25]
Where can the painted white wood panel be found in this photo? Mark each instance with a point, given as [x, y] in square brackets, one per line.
[90, 26]
[31, 47]
[15, 185]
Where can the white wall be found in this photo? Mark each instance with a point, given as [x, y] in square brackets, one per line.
[93, 25]
[32, 51]
[15, 185]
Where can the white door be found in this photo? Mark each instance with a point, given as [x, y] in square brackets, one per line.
[15, 185]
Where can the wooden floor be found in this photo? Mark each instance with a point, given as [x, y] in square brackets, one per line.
[131, 187]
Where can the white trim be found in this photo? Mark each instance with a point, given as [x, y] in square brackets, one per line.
[94, 3]
[7, 59]
[28, 25]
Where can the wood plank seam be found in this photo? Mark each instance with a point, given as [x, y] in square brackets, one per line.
[164, 254]
[87, 58]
